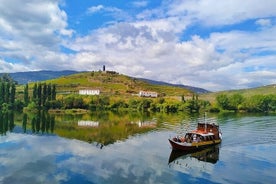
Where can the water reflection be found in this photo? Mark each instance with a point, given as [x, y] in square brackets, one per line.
[86, 123]
[196, 161]
[39, 123]
[151, 123]
[142, 157]
[6, 122]
[104, 128]
[99, 128]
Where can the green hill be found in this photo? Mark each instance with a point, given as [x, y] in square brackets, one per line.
[263, 90]
[112, 83]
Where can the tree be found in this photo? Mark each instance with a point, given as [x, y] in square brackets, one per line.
[44, 94]
[35, 92]
[193, 105]
[7, 78]
[49, 92]
[12, 95]
[223, 101]
[234, 101]
[7, 92]
[39, 94]
[26, 94]
[144, 104]
[2, 92]
[53, 93]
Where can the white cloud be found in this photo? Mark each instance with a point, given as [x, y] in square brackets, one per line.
[140, 4]
[264, 22]
[216, 13]
[154, 43]
[114, 12]
[26, 33]
[201, 62]
[95, 9]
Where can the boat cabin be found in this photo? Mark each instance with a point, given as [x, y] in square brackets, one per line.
[208, 128]
[195, 137]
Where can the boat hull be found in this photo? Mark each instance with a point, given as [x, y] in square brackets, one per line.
[192, 146]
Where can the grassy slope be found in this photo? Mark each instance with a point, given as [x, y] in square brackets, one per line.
[112, 84]
[264, 90]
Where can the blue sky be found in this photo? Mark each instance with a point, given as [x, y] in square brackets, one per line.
[216, 45]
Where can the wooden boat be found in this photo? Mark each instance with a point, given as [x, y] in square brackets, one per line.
[206, 134]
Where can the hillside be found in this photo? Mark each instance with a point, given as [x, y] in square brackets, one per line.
[263, 90]
[192, 88]
[43, 75]
[113, 84]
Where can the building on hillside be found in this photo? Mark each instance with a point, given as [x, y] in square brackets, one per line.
[148, 94]
[89, 92]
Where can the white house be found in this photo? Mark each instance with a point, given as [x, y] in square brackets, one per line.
[89, 92]
[148, 94]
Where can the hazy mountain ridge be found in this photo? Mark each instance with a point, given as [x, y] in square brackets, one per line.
[34, 76]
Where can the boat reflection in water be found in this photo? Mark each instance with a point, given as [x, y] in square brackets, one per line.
[194, 162]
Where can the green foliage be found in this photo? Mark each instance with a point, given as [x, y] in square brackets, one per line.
[235, 101]
[223, 101]
[32, 106]
[6, 78]
[72, 102]
[26, 94]
[260, 103]
[255, 103]
[7, 95]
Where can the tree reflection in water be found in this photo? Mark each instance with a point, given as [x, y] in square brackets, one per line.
[103, 128]
[38, 123]
[99, 129]
[6, 122]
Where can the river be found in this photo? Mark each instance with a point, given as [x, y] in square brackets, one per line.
[134, 148]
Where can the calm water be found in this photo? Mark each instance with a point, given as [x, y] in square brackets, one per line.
[116, 148]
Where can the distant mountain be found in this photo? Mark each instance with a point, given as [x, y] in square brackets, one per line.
[194, 89]
[33, 76]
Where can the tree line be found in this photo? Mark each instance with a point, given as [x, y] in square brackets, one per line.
[95, 103]
[7, 93]
[255, 103]
[43, 96]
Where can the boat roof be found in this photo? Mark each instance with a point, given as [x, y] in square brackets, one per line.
[201, 133]
[208, 123]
